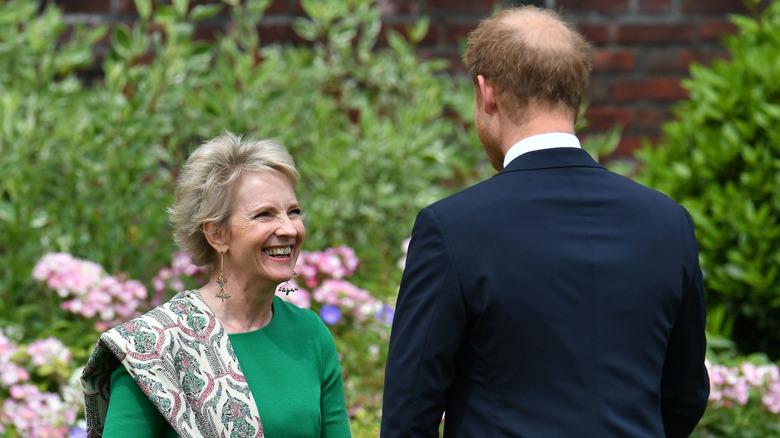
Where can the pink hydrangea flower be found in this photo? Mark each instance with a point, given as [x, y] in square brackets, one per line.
[10, 372]
[48, 350]
[170, 278]
[34, 413]
[66, 274]
[90, 291]
[733, 386]
[347, 296]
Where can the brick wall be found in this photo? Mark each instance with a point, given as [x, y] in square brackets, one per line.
[641, 48]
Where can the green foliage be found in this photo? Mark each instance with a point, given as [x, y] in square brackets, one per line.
[376, 131]
[721, 159]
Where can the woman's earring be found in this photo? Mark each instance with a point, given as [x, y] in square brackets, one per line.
[286, 287]
[222, 294]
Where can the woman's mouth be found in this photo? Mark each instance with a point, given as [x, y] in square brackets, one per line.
[279, 252]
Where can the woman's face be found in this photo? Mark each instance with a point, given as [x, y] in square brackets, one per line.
[265, 232]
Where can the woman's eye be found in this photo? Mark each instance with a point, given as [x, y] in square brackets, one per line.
[295, 212]
[263, 214]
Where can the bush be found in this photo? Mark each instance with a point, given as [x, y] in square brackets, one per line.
[88, 169]
[721, 159]
[377, 133]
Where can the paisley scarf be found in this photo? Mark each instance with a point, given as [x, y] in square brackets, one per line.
[182, 359]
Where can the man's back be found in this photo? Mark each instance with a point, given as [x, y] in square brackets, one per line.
[571, 305]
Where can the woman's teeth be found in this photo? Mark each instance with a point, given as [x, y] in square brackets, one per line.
[278, 252]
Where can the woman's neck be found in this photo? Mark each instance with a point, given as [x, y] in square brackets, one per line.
[244, 311]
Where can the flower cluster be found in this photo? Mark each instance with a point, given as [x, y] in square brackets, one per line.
[326, 274]
[37, 414]
[734, 386]
[333, 263]
[49, 352]
[10, 372]
[342, 294]
[171, 278]
[92, 292]
[25, 408]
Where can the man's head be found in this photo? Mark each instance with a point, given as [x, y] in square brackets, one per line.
[534, 59]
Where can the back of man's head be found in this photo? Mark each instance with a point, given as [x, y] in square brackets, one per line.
[532, 56]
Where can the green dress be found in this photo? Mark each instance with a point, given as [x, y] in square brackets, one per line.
[291, 367]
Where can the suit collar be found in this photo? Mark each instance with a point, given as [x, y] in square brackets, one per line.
[551, 158]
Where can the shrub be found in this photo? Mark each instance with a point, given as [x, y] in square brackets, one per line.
[721, 159]
[376, 131]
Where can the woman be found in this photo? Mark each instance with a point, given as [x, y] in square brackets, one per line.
[229, 359]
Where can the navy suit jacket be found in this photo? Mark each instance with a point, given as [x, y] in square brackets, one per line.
[556, 299]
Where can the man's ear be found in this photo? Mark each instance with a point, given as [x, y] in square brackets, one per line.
[488, 95]
[215, 235]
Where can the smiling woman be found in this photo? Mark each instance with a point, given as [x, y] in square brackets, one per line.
[228, 359]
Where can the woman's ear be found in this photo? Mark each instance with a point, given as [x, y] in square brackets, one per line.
[215, 235]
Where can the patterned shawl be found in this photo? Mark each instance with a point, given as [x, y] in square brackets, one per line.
[182, 359]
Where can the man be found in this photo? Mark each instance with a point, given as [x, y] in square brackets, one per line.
[556, 299]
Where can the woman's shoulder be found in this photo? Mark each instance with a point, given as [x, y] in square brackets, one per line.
[290, 311]
[294, 316]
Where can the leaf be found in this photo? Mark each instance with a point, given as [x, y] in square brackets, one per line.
[144, 8]
[306, 29]
[204, 12]
[419, 30]
[122, 41]
[181, 7]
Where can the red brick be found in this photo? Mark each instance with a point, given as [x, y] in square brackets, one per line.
[655, 6]
[601, 6]
[277, 33]
[455, 33]
[654, 89]
[649, 118]
[659, 61]
[599, 90]
[629, 144]
[393, 7]
[84, 6]
[483, 7]
[712, 6]
[208, 32]
[613, 60]
[656, 33]
[127, 7]
[686, 57]
[277, 7]
[715, 30]
[602, 117]
[596, 33]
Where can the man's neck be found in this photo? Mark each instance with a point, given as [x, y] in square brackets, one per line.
[539, 123]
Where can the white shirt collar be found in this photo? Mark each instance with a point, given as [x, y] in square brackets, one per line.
[539, 142]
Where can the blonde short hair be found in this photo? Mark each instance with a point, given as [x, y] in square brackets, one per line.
[205, 190]
[531, 54]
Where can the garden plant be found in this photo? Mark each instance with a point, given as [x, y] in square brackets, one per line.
[90, 161]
